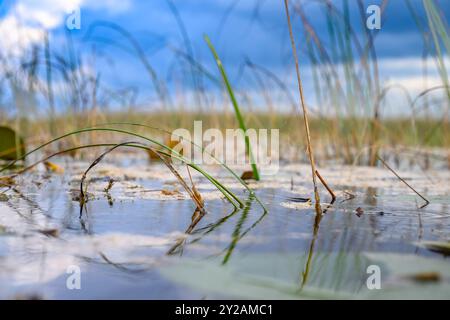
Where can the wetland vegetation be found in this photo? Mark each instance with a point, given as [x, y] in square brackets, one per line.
[93, 178]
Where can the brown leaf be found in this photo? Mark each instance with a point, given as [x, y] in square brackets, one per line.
[50, 166]
[50, 232]
[247, 175]
[170, 192]
[153, 155]
[426, 277]
[172, 144]
[7, 181]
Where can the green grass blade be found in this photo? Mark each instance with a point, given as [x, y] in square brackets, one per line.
[235, 106]
[231, 171]
[172, 153]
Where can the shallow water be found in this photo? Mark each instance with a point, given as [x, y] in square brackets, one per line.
[121, 241]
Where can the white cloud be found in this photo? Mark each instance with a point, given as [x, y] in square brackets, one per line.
[415, 84]
[409, 73]
[409, 64]
[47, 14]
[26, 22]
[17, 37]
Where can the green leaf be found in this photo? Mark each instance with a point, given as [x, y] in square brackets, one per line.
[12, 147]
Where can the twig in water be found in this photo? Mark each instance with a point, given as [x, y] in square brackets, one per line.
[406, 183]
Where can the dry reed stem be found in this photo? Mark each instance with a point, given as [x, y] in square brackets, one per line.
[305, 112]
[333, 195]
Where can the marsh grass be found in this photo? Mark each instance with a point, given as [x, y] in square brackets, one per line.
[399, 133]
[227, 193]
[235, 104]
[347, 125]
[346, 79]
[192, 192]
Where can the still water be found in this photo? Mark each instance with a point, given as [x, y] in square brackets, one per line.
[130, 242]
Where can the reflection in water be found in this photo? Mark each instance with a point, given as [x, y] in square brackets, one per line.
[121, 266]
[318, 218]
[209, 228]
[371, 196]
[197, 216]
[305, 273]
[236, 236]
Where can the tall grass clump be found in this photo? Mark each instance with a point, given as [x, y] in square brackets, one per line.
[347, 85]
[164, 150]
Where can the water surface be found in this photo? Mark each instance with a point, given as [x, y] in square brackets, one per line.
[122, 240]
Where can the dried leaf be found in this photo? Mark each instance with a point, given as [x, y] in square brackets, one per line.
[426, 277]
[50, 166]
[3, 197]
[170, 192]
[7, 181]
[247, 175]
[153, 155]
[172, 144]
[50, 232]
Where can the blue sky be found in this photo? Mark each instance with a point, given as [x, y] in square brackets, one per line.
[240, 30]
